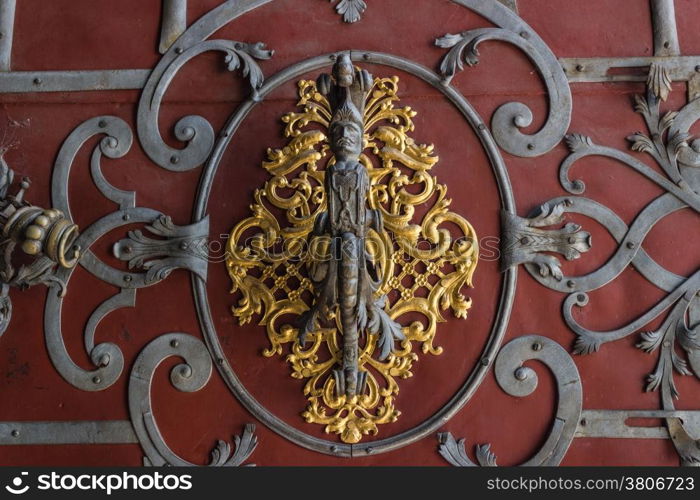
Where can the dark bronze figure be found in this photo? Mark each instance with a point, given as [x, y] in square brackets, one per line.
[348, 280]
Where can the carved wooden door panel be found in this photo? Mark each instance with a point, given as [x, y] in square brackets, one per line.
[357, 232]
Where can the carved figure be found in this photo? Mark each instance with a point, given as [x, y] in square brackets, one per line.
[347, 279]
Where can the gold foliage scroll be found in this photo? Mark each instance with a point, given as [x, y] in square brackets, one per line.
[423, 264]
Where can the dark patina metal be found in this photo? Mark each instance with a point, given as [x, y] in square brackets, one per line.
[347, 280]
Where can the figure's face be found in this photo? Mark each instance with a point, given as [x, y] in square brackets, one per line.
[346, 140]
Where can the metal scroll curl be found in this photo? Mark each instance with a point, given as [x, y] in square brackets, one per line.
[421, 265]
[190, 376]
[195, 130]
[510, 117]
[521, 381]
[106, 356]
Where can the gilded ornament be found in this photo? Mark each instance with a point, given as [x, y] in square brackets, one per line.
[423, 259]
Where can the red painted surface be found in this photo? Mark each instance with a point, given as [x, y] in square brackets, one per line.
[80, 34]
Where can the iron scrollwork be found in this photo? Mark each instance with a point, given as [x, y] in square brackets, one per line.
[669, 143]
[390, 142]
[520, 381]
[510, 117]
[190, 376]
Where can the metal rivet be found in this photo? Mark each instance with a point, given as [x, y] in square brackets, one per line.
[525, 34]
[335, 449]
[96, 380]
[174, 159]
[571, 240]
[571, 283]
[369, 450]
[521, 373]
[332, 57]
[174, 343]
[579, 67]
[536, 346]
[126, 217]
[220, 361]
[667, 44]
[581, 297]
[102, 124]
[485, 361]
[568, 202]
[15, 433]
[583, 422]
[37, 81]
[366, 57]
[178, 50]
[697, 68]
[127, 278]
[667, 343]
[104, 360]
[238, 45]
[524, 240]
[630, 244]
[531, 146]
[183, 245]
[482, 126]
[127, 249]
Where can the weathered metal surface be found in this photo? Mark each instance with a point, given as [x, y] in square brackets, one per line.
[509, 118]
[347, 276]
[520, 381]
[73, 432]
[196, 131]
[7, 28]
[663, 18]
[525, 242]
[677, 155]
[467, 390]
[694, 87]
[180, 247]
[627, 69]
[189, 376]
[619, 424]
[173, 23]
[72, 81]
[511, 4]
[577, 70]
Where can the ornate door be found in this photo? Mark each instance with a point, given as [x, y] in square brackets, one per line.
[397, 232]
